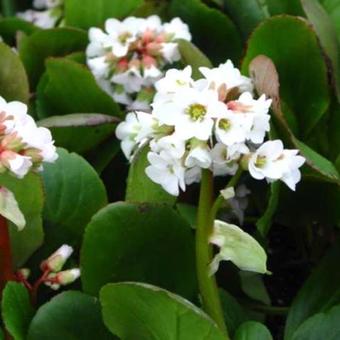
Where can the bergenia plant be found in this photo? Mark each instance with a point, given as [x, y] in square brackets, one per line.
[169, 169]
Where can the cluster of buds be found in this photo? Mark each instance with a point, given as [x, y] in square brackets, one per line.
[46, 13]
[52, 267]
[53, 275]
[129, 56]
[212, 123]
[23, 145]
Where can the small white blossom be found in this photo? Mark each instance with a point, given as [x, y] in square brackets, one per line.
[272, 162]
[167, 171]
[57, 260]
[199, 156]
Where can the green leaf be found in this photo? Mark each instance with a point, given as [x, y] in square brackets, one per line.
[247, 14]
[188, 212]
[326, 33]
[16, 310]
[74, 192]
[320, 326]
[292, 7]
[300, 64]
[2, 336]
[94, 13]
[252, 330]
[212, 31]
[266, 81]
[264, 223]
[238, 247]
[139, 242]
[253, 286]
[139, 187]
[9, 208]
[9, 27]
[145, 312]
[68, 316]
[29, 195]
[234, 314]
[69, 87]
[13, 79]
[80, 132]
[35, 48]
[191, 55]
[316, 293]
[333, 9]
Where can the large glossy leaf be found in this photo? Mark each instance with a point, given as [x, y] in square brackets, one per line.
[247, 14]
[212, 31]
[9, 27]
[16, 310]
[333, 9]
[94, 13]
[191, 55]
[80, 132]
[252, 330]
[326, 32]
[35, 48]
[267, 81]
[69, 316]
[139, 187]
[29, 195]
[234, 314]
[69, 87]
[139, 242]
[293, 47]
[317, 292]
[145, 312]
[320, 326]
[13, 79]
[74, 192]
[292, 7]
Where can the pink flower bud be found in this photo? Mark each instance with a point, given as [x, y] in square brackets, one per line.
[68, 276]
[56, 261]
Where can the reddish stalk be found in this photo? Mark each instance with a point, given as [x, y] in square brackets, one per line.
[6, 266]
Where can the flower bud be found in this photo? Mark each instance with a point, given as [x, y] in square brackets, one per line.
[24, 273]
[56, 261]
[68, 276]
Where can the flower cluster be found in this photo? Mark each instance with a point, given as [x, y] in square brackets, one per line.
[212, 123]
[46, 13]
[23, 145]
[129, 56]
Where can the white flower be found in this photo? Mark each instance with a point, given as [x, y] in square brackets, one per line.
[174, 81]
[17, 164]
[43, 19]
[99, 67]
[131, 80]
[272, 162]
[199, 156]
[99, 43]
[151, 23]
[167, 171]
[191, 112]
[174, 146]
[56, 261]
[177, 29]
[170, 52]
[121, 36]
[193, 175]
[137, 127]
[254, 111]
[225, 158]
[228, 76]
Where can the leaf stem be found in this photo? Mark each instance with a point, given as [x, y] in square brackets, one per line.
[207, 284]
[220, 199]
[6, 266]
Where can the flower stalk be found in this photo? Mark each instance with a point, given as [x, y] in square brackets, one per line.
[6, 266]
[207, 284]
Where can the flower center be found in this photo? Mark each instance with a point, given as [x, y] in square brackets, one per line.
[196, 112]
[224, 124]
[260, 161]
[123, 38]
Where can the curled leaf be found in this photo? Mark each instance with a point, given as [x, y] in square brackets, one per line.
[9, 208]
[238, 247]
